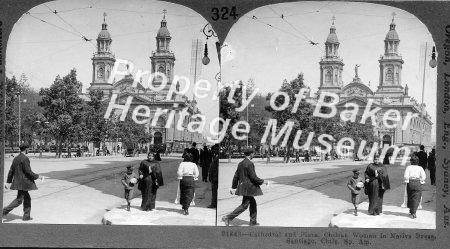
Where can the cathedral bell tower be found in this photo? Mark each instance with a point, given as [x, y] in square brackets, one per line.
[391, 64]
[102, 61]
[163, 60]
[331, 66]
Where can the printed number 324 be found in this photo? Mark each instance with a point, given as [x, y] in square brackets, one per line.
[224, 13]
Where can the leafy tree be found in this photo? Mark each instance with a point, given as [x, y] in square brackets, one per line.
[63, 109]
[95, 123]
[128, 131]
[11, 115]
[301, 118]
[228, 111]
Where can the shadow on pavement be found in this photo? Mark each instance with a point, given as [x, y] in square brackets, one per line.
[11, 217]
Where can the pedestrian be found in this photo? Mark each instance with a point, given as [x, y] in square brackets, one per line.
[213, 175]
[422, 157]
[129, 179]
[195, 154]
[414, 178]
[157, 156]
[355, 184]
[386, 159]
[187, 173]
[307, 156]
[205, 162]
[21, 178]
[185, 151]
[432, 166]
[246, 184]
[376, 183]
[149, 182]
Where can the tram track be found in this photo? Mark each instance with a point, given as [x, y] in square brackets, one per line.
[307, 184]
[99, 174]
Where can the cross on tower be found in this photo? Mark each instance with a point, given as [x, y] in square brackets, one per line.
[393, 16]
[164, 12]
[104, 16]
[333, 18]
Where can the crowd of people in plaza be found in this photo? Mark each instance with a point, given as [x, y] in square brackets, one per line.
[150, 177]
[376, 182]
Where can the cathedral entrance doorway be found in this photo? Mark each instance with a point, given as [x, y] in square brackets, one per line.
[387, 140]
[157, 138]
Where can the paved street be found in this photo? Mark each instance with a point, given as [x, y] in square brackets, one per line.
[82, 190]
[302, 194]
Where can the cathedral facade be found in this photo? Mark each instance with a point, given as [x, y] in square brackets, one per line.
[390, 95]
[162, 61]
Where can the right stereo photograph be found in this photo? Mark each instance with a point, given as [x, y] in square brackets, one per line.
[330, 118]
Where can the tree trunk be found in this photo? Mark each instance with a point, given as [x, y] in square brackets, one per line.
[288, 153]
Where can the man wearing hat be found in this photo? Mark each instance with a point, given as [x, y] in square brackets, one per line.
[21, 178]
[246, 184]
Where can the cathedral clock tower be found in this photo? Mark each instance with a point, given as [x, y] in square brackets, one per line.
[102, 62]
[163, 60]
[391, 64]
[331, 66]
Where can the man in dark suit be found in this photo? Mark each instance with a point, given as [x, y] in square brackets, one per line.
[21, 179]
[246, 184]
[432, 166]
[213, 175]
[195, 153]
[422, 157]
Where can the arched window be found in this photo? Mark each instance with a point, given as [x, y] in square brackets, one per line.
[389, 74]
[328, 76]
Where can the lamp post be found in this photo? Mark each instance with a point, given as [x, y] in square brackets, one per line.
[19, 93]
[115, 131]
[252, 105]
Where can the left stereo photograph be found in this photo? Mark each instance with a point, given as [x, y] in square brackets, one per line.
[111, 111]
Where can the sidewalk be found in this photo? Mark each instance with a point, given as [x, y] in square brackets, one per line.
[166, 212]
[394, 216]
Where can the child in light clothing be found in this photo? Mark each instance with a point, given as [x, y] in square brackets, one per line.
[129, 179]
[355, 184]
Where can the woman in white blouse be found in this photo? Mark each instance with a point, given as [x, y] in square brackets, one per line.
[187, 174]
[414, 178]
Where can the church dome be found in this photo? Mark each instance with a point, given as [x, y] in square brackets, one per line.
[104, 34]
[392, 34]
[332, 37]
[163, 31]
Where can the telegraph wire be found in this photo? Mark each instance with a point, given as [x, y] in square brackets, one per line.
[58, 27]
[73, 28]
[301, 33]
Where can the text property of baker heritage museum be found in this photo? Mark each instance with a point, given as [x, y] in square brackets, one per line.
[142, 113]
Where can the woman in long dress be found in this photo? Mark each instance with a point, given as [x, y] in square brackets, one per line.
[414, 178]
[187, 174]
[377, 182]
[150, 178]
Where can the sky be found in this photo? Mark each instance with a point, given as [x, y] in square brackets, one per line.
[264, 46]
[44, 50]
[269, 49]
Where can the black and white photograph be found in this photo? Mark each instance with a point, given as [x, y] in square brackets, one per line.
[339, 101]
[224, 124]
[108, 106]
